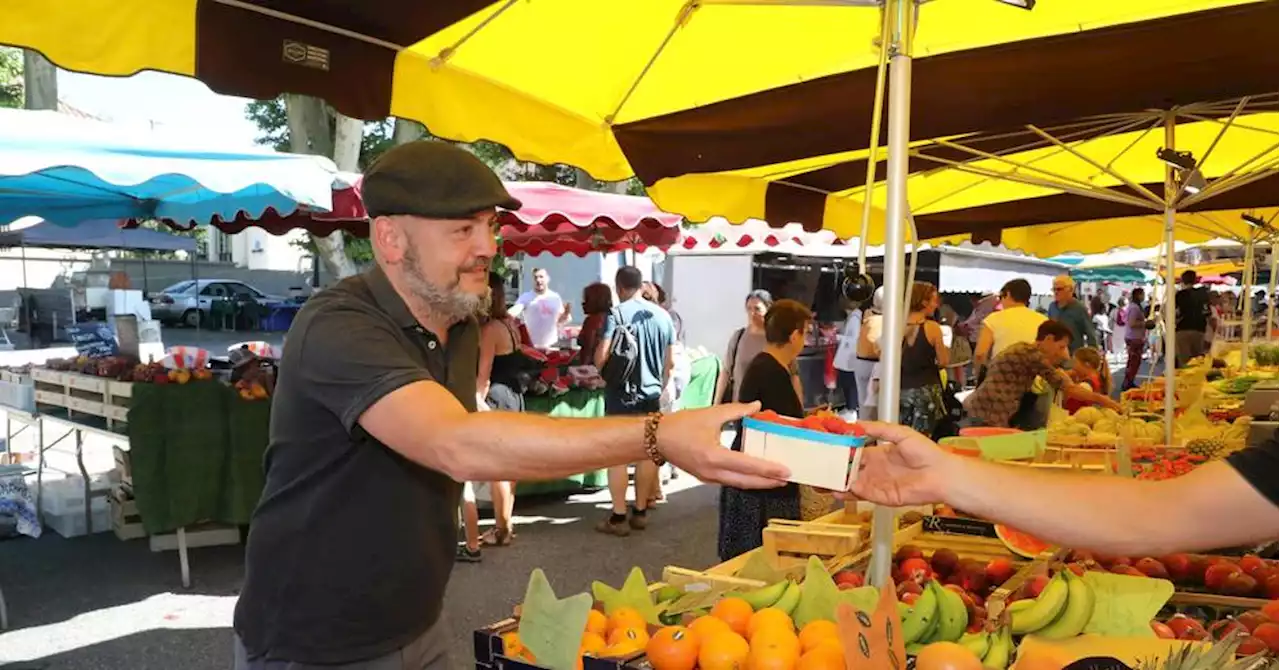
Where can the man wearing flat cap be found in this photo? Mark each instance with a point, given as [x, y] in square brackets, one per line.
[374, 424]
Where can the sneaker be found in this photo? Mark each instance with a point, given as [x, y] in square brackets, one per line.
[467, 555]
[638, 521]
[609, 527]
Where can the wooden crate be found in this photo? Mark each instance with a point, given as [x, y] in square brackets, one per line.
[83, 394]
[125, 520]
[123, 465]
[1103, 459]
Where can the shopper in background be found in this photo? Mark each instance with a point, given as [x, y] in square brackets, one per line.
[1071, 311]
[924, 354]
[640, 395]
[1191, 319]
[1014, 322]
[597, 300]
[1135, 337]
[1005, 399]
[1101, 322]
[499, 386]
[744, 344]
[1089, 367]
[542, 310]
[767, 380]
[1119, 329]
[867, 355]
[1215, 320]
[846, 358]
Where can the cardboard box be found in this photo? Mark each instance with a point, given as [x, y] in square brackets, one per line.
[815, 458]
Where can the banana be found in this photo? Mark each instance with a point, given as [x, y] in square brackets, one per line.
[1080, 602]
[914, 648]
[1019, 606]
[953, 615]
[923, 616]
[790, 598]
[999, 651]
[978, 643]
[903, 610]
[1046, 608]
[765, 596]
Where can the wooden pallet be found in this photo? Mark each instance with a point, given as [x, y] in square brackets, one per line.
[84, 394]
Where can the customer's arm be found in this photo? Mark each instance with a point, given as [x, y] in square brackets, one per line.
[934, 333]
[982, 352]
[1212, 507]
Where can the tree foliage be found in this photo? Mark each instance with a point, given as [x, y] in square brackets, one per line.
[10, 77]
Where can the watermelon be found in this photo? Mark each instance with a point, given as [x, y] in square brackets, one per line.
[1020, 543]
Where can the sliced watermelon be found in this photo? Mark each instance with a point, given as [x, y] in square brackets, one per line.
[1020, 543]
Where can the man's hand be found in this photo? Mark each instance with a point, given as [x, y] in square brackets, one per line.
[907, 468]
[690, 439]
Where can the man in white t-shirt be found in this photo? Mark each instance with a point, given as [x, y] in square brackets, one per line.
[542, 311]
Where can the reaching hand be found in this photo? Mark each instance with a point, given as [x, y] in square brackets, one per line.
[907, 468]
[691, 441]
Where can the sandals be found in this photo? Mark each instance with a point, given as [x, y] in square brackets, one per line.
[497, 537]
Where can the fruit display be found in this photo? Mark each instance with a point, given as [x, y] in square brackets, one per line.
[1100, 428]
[1256, 629]
[1246, 577]
[1158, 464]
[821, 421]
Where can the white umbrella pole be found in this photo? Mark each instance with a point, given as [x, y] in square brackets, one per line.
[1246, 313]
[902, 27]
[1271, 296]
[1170, 288]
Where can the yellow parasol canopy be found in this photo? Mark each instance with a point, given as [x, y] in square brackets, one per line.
[676, 86]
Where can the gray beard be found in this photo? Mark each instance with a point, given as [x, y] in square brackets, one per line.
[448, 302]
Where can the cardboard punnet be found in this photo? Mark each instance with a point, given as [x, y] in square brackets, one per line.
[815, 458]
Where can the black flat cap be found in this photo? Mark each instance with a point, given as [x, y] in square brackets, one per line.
[434, 180]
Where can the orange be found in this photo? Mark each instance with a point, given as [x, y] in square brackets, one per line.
[734, 611]
[624, 617]
[673, 648]
[511, 645]
[637, 636]
[774, 649]
[597, 622]
[593, 643]
[769, 617]
[822, 657]
[817, 631]
[706, 625]
[724, 650]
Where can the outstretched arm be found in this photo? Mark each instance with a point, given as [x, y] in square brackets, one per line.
[1217, 506]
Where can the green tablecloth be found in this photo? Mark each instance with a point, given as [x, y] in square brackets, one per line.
[581, 403]
[196, 453]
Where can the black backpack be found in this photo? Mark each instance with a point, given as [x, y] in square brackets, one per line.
[622, 369]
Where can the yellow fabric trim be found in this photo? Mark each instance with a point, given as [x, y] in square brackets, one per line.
[109, 37]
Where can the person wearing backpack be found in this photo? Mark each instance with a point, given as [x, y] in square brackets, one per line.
[635, 358]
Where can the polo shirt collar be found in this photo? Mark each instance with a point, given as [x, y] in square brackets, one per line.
[387, 298]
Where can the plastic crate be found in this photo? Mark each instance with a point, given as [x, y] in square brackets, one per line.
[72, 524]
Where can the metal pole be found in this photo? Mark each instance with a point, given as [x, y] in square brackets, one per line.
[902, 26]
[1246, 312]
[1170, 337]
[1271, 296]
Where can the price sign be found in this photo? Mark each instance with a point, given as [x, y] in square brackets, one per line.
[93, 339]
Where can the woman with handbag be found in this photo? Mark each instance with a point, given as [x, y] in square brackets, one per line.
[500, 383]
[744, 344]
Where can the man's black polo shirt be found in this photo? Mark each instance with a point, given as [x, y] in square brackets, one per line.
[351, 546]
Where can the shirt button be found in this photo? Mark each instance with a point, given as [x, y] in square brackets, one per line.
[431, 345]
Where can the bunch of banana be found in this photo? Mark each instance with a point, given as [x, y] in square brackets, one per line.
[995, 648]
[939, 615]
[1061, 611]
[783, 595]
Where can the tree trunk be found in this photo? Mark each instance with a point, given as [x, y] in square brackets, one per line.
[309, 133]
[408, 131]
[40, 82]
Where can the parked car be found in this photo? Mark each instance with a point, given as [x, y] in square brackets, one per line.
[190, 302]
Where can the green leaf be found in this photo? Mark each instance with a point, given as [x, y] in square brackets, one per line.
[1125, 605]
[819, 595]
[550, 627]
[634, 594]
[758, 568]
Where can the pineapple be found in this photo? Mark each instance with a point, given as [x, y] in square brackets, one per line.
[1208, 447]
[1217, 656]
